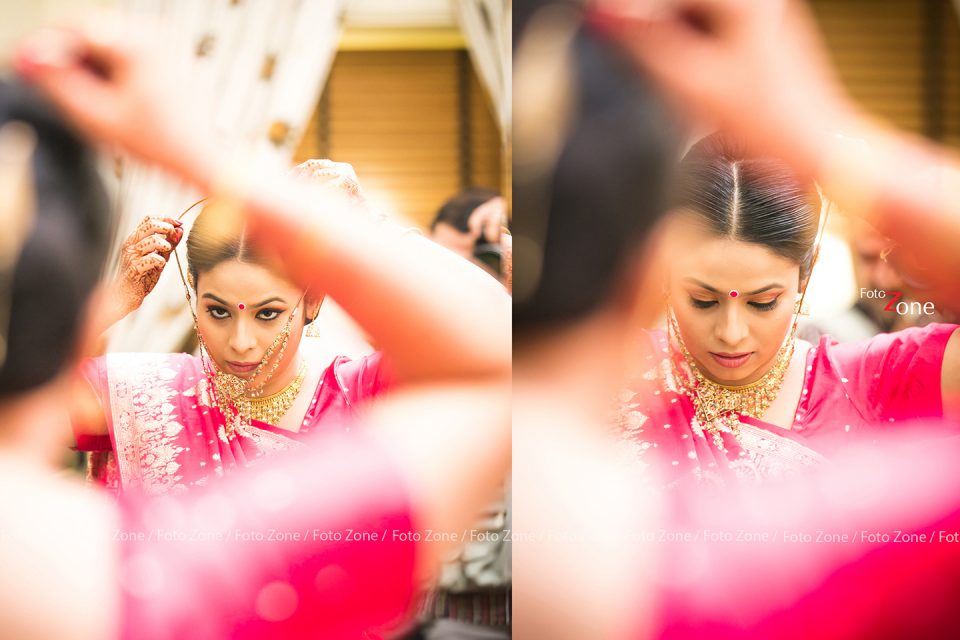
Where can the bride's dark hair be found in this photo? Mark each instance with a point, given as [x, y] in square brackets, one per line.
[209, 243]
[752, 199]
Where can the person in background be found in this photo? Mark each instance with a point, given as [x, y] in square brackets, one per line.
[873, 312]
[471, 599]
[472, 224]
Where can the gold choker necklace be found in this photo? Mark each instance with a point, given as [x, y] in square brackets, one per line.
[718, 407]
[239, 408]
[270, 409]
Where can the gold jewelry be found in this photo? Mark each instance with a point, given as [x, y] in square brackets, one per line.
[313, 331]
[718, 407]
[270, 409]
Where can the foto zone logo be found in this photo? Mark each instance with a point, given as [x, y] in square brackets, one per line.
[898, 306]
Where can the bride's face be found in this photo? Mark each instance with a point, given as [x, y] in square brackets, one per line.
[241, 308]
[733, 337]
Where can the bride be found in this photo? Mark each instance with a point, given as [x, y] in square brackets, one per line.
[172, 421]
[728, 390]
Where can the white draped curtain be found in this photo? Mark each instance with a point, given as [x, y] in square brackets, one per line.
[263, 63]
[486, 26]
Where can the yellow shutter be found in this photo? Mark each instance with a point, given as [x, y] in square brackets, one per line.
[396, 116]
[886, 53]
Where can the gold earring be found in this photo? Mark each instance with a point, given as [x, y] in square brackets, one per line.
[313, 331]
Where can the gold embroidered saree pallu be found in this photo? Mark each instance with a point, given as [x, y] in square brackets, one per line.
[167, 433]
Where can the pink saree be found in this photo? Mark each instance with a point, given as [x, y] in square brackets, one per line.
[850, 392]
[168, 435]
[849, 541]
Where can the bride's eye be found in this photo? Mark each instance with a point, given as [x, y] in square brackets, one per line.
[268, 314]
[765, 306]
[702, 304]
[218, 313]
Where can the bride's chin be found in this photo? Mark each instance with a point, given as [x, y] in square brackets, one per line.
[711, 374]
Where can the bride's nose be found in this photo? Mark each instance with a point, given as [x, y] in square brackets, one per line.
[731, 326]
[242, 339]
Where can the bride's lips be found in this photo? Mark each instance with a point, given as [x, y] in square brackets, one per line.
[242, 367]
[731, 360]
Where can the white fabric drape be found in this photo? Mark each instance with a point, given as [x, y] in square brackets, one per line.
[264, 64]
[486, 25]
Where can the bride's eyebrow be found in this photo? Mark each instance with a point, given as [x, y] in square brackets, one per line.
[269, 300]
[216, 299]
[702, 285]
[256, 306]
[775, 285]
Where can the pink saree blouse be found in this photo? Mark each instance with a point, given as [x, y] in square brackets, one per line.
[850, 391]
[167, 433]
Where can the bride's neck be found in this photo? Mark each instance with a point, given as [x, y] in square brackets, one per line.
[283, 377]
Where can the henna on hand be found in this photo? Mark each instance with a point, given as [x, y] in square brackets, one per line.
[142, 258]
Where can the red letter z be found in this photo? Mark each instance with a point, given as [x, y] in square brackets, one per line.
[897, 295]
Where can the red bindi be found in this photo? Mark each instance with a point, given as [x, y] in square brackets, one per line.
[241, 306]
[734, 293]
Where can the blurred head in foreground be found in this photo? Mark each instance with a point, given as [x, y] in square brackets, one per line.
[594, 151]
[58, 261]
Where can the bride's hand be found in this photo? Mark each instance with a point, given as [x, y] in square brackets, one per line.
[142, 258]
[338, 176]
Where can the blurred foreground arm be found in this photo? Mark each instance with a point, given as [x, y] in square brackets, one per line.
[759, 71]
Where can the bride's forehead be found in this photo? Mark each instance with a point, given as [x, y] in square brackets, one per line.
[723, 259]
[246, 281]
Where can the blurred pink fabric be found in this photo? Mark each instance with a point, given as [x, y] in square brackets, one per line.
[313, 544]
[865, 547]
[848, 524]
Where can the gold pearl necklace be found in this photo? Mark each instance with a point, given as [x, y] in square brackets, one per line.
[270, 409]
[718, 407]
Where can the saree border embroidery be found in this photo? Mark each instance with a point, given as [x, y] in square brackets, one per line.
[145, 421]
[772, 456]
